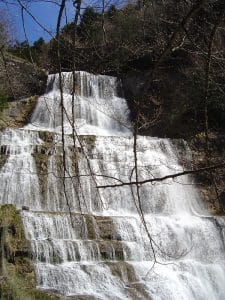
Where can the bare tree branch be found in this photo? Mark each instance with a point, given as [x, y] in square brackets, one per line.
[158, 179]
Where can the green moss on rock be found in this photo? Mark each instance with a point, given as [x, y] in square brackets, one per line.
[17, 277]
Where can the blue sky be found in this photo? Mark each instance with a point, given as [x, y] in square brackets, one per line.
[46, 14]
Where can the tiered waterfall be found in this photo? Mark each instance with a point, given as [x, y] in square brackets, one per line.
[92, 243]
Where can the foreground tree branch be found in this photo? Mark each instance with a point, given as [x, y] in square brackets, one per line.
[158, 179]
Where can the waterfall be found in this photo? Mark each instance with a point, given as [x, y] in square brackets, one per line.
[90, 242]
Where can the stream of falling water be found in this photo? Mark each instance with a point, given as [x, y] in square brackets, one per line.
[106, 254]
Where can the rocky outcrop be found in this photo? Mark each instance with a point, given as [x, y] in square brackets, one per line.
[19, 78]
[17, 277]
[17, 113]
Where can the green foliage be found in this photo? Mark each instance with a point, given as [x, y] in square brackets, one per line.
[90, 26]
[89, 16]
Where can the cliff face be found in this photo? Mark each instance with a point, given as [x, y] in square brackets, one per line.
[19, 78]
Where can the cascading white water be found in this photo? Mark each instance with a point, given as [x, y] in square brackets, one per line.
[91, 242]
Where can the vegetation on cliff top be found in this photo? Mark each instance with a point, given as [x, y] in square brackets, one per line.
[130, 41]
